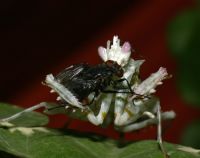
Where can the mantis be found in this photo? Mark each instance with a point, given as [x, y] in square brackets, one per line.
[129, 107]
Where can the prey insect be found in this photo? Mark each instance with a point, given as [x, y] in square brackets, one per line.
[83, 79]
[114, 87]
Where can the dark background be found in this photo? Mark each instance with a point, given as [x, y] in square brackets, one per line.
[41, 37]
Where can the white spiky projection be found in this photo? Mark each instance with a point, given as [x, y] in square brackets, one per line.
[115, 52]
[129, 108]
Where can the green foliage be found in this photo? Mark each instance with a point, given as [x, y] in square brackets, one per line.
[191, 135]
[28, 120]
[184, 42]
[26, 138]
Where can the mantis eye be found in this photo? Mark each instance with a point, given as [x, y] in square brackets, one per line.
[110, 63]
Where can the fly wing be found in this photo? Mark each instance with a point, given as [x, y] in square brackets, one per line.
[71, 72]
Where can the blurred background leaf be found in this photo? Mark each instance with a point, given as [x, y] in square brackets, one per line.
[191, 136]
[184, 42]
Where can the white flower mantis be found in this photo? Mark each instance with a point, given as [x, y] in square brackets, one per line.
[127, 111]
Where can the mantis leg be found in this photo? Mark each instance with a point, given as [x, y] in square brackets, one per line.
[19, 114]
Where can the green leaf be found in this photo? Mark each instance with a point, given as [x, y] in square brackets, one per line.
[29, 119]
[184, 42]
[188, 82]
[39, 142]
[191, 135]
[53, 108]
[183, 35]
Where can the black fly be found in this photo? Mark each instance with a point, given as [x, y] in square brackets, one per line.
[83, 79]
